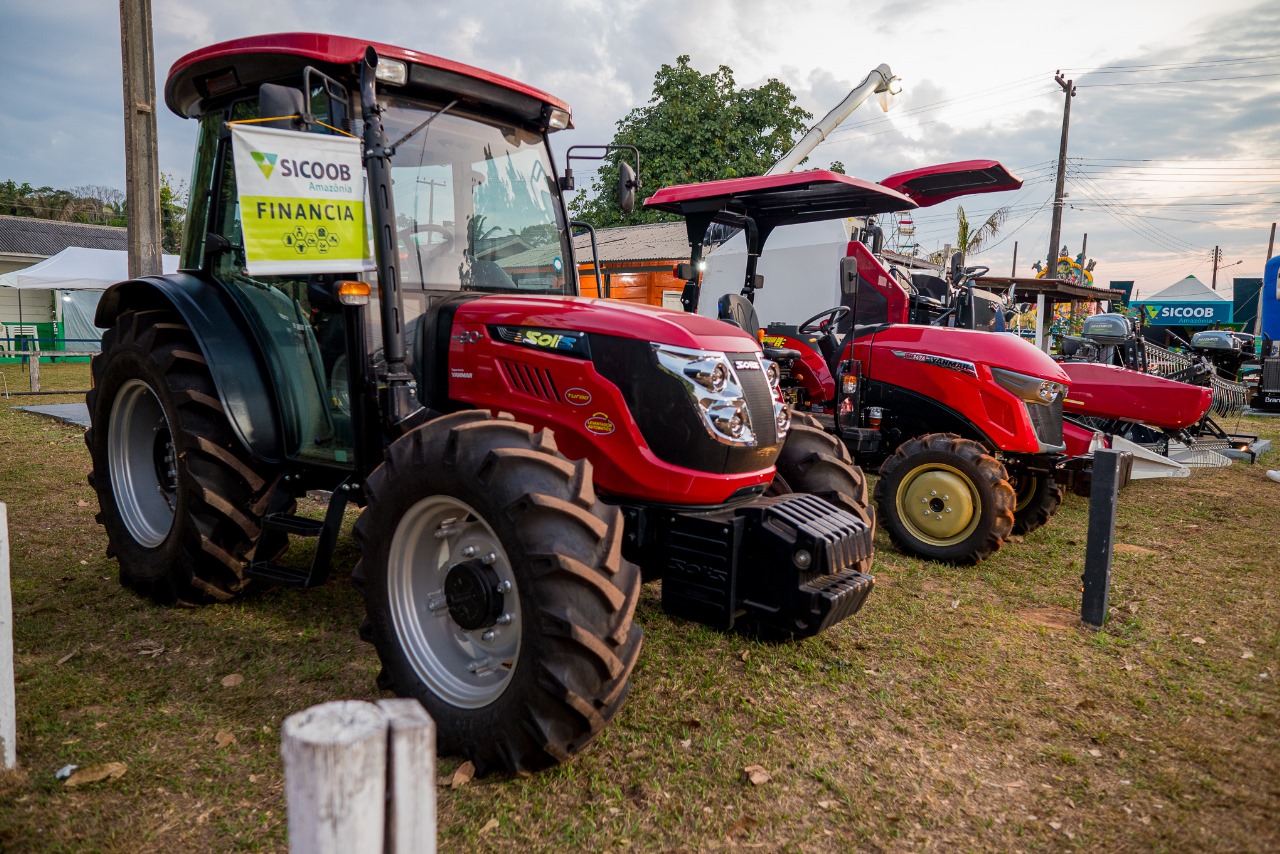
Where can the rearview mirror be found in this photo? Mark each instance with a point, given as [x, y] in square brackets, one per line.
[281, 102]
[684, 271]
[627, 184]
[957, 267]
[849, 276]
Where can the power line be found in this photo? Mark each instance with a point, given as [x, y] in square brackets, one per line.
[1179, 82]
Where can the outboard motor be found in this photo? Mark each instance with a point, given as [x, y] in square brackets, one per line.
[1115, 339]
[1223, 349]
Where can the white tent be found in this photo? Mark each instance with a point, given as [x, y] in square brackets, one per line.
[78, 269]
[80, 276]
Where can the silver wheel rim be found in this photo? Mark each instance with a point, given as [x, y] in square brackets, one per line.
[142, 463]
[469, 669]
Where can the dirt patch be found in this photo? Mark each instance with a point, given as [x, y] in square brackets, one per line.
[1059, 619]
[1127, 549]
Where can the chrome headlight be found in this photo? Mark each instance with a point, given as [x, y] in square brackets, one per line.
[714, 388]
[1028, 388]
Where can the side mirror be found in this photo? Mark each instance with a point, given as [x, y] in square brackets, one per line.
[957, 267]
[849, 276]
[758, 282]
[277, 102]
[627, 185]
[214, 245]
[684, 272]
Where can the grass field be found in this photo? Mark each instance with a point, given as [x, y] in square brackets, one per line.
[962, 708]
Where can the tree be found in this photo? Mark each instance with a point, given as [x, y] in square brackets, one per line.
[173, 212]
[969, 239]
[696, 127]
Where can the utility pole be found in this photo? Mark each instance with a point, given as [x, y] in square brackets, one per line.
[1055, 230]
[1217, 259]
[1271, 244]
[142, 161]
[1013, 271]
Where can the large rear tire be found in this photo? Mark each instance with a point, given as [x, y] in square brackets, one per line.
[1037, 498]
[180, 500]
[813, 461]
[945, 498]
[496, 591]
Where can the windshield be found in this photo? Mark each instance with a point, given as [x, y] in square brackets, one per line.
[476, 205]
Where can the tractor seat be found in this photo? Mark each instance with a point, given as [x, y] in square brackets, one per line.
[739, 311]
[930, 286]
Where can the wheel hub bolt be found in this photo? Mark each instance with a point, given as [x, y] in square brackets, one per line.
[489, 559]
[489, 635]
[503, 619]
[504, 586]
[468, 551]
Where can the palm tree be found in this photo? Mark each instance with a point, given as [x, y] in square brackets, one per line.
[971, 240]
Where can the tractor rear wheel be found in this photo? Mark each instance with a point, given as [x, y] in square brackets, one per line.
[1038, 497]
[814, 461]
[496, 591]
[945, 498]
[181, 503]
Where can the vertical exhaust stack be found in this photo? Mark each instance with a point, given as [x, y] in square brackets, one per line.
[399, 403]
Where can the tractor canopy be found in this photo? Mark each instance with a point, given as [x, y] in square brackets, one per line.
[931, 185]
[214, 73]
[773, 200]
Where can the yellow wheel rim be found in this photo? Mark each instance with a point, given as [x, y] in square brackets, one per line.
[939, 504]
[1025, 487]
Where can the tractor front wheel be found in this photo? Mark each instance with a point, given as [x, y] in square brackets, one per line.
[496, 592]
[181, 502]
[1038, 497]
[945, 498]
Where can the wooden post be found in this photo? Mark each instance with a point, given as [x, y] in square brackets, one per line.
[33, 363]
[141, 158]
[335, 762]
[8, 706]
[1103, 496]
[411, 778]
[361, 778]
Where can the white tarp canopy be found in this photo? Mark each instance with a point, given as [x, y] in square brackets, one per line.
[78, 269]
[80, 276]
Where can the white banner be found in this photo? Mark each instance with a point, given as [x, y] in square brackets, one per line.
[302, 201]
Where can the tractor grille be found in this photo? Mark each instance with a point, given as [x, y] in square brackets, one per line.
[667, 419]
[1047, 421]
[535, 382]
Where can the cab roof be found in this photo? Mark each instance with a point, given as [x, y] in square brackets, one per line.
[784, 199]
[258, 59]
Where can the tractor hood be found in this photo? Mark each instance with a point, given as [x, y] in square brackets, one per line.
[995, 350]
[931, 185]
[610, 317]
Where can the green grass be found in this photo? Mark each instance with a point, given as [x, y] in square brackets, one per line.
[963, 707]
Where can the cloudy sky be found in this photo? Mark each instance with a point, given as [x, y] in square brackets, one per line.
[1175, 133]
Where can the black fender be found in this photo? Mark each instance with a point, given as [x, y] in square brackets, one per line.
[226, 342]
[910, 414]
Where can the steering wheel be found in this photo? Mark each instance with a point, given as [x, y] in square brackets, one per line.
[407, 234]
[823, 322]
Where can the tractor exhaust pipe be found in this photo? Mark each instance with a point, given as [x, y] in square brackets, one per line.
[399, 400]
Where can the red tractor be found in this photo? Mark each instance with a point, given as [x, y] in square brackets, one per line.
[966, 426]
[498, 564]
